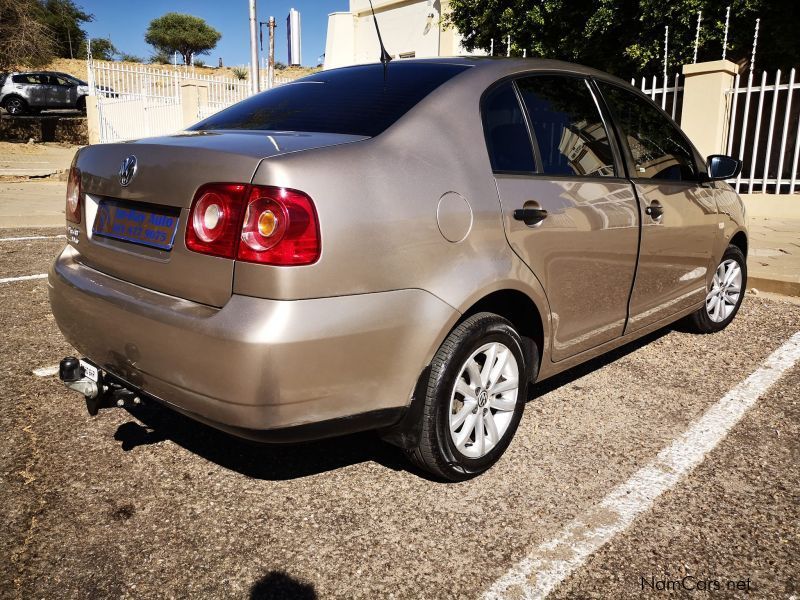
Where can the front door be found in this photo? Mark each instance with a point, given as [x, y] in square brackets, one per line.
[567, 211]
[679, 220]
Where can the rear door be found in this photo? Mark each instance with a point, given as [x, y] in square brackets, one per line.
[679, 214]
[63, 93]
[583, 248]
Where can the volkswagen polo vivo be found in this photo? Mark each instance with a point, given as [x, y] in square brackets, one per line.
[401, 247]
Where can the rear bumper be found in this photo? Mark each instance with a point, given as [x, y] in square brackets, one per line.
[255, 364]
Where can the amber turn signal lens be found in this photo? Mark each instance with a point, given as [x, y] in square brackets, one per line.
[267, 223]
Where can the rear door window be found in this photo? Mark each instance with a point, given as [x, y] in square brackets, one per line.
[507, 137]
[567, 124]
[361, 100]
[658, 148]
[28, 78]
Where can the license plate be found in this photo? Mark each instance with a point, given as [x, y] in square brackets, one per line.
[89, 371]
[144, 224]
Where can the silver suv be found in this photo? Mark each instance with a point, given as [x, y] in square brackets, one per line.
[32, 92]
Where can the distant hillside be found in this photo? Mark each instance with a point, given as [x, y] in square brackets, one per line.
[77, 68]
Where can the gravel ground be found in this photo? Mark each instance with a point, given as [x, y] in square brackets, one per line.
[154, 505]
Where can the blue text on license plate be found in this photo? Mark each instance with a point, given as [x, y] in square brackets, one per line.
[148, 225]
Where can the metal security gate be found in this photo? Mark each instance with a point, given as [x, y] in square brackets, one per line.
[135, 101]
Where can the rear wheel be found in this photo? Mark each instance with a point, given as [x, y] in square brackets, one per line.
[15, 105]
[725, 295]
[474, 398]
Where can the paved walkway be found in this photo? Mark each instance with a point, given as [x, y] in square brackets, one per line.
[34, 160]
[774, 256]
[32, 204]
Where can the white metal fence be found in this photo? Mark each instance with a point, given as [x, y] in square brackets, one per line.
[764, 132]
[669, 97]
[136, 101]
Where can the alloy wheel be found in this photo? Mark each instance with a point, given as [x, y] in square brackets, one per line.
[726, 289]
[483, 400]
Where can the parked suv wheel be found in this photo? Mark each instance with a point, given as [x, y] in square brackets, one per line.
[474, 398]
[725, 294]
[15, 105]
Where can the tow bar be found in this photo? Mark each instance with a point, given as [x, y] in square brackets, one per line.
[98, 388]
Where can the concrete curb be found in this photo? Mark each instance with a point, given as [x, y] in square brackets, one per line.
[776, 286]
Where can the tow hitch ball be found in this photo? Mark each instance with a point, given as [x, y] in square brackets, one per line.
[98, 394]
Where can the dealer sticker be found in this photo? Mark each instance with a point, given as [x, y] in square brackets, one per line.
[89, 371]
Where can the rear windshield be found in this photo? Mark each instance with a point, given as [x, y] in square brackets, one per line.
[355, 100]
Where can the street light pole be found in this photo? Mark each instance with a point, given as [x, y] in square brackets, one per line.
[271, 67]
[255, 83]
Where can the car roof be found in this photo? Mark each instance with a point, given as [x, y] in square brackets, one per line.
[504, 66]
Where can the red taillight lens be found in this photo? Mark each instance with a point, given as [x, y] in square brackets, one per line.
[73, 208]
[280, 228]
[215, 219]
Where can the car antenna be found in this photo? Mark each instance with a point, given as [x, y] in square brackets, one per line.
[385, 56]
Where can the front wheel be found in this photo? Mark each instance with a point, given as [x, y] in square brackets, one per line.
[725, 295]
[474, 398]
[15, 106]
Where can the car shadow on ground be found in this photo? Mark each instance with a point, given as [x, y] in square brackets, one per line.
[253, 459]
[290, 461]
[278, 585]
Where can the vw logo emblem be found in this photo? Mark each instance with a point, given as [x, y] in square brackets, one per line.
[483, 397]
[127, 170]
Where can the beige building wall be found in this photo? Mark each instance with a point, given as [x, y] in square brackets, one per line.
[410, 28]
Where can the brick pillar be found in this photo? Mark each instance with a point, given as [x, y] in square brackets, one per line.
[194, 99]
[706, 106]
[92, 120]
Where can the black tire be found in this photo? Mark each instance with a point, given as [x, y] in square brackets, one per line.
[436, 452]
[700, 321]
[15, 106]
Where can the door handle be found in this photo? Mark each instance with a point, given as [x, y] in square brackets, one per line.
[655, 210]
[531, 216]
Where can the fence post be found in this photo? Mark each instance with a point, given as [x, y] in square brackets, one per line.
[194, 100]
[92, 120]
[706, 106]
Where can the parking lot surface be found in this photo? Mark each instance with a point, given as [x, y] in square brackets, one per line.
[153, 505]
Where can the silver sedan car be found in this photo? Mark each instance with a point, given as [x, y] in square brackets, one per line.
[408, 248]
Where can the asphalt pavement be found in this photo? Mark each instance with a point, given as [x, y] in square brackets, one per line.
[152, 505]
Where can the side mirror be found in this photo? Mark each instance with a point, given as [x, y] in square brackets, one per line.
[722, 167]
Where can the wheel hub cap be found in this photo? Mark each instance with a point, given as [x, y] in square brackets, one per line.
[483, 400]
[726, 290]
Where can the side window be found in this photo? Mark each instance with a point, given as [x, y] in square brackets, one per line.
[658, 148]
[26, 78]
[507, 138]
[569, 130]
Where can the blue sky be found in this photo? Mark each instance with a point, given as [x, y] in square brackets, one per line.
[126, 23]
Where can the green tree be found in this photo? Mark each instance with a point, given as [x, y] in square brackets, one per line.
[24, 39]
[102, 49]
[131, 58]
[186, 34]
[65, 19]
[626, 37]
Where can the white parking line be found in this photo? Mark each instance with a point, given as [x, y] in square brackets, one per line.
[46, 371]
[22, 278]
[547, 565]
[32, 237]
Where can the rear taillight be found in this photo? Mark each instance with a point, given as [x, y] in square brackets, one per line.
[280, 228]
[215, 219]
[261, 224]
[74, 195]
